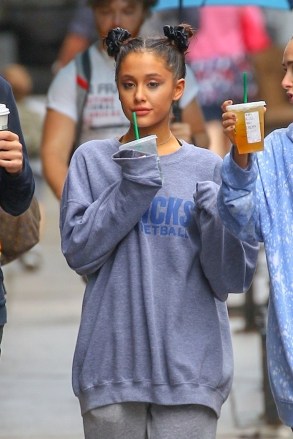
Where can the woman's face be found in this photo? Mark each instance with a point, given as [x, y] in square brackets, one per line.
[147, 88]
[128, 14]
[287, 82]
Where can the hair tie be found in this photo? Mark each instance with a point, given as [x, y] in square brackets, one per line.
[179, 35]
[114, 40]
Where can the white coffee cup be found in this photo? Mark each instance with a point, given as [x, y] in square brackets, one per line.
[4, 111]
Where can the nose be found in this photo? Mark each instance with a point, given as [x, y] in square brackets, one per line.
[287, 81]
[139, 93]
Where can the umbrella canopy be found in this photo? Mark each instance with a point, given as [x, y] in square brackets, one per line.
[278, 4]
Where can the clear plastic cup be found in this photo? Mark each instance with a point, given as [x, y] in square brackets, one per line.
[147, 145]
[249, 129]
[4, 111]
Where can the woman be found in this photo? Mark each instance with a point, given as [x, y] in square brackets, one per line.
[154, 350]
[255, 203]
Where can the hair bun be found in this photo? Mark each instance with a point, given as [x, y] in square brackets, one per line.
[114, 40]
[179, 34]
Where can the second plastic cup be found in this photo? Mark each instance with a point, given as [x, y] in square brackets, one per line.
[4, 111]
[249, 129]
[147, 145]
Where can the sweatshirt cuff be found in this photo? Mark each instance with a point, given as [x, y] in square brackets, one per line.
[236, 176]
[139, 166]
[205, 197]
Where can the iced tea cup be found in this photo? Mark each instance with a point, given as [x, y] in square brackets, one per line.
[4, 111]
[146, 145]
[249, 129]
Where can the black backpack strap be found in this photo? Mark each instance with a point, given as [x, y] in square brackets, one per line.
[83, 78]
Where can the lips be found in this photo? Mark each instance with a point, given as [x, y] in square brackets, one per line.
[290, 97]
[142, 111]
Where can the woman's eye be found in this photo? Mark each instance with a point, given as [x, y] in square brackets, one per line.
[128, 85]
[153, 84]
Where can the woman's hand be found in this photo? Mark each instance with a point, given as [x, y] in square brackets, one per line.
[11, 155]
[229, 123]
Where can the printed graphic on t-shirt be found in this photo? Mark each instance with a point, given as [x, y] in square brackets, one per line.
[103, 117]
[167, 217]
[103, 107]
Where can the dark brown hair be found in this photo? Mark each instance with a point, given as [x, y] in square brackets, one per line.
[172, 47]
[146, 3]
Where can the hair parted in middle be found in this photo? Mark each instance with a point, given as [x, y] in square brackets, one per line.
[171, 47]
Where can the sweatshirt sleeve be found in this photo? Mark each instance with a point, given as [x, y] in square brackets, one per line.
[228, 263]
[16, 190]
[91, 229]
[237, 200]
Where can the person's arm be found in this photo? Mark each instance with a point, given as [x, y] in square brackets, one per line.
[80, 34]
[192, 127]
[238, 201]
[192, 115]
[17, 182]
[56, 147]
[98, 209]
[228, 263]
[229, 123]
[59, 127]
[71, 46]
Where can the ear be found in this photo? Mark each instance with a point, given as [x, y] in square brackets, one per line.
[179, 89]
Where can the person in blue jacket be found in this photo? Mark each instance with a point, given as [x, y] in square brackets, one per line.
[256, 203]
[16, 179]
[154, 346]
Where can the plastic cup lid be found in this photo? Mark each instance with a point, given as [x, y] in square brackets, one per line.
[4, 110]
[245, 106]
[142, 140]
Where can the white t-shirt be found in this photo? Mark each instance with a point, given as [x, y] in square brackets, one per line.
[102, 116]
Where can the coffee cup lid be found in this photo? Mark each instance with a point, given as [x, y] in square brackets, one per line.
[3, 109]
[150, 138]
[245, 106]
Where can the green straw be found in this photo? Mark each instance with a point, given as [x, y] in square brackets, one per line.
[136, 132]
[245, 87]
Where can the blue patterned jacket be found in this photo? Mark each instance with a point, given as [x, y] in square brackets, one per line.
[257, 204]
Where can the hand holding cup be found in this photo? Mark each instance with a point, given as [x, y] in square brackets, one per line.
[228, 121]
[244, 125]
[11, 156]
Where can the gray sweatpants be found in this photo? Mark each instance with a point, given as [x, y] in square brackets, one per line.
[150, 421]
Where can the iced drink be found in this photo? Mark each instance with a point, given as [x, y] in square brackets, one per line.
[147, 145]
[249, 129]
[4, 111]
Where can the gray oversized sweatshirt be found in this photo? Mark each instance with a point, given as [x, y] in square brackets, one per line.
[154, 324]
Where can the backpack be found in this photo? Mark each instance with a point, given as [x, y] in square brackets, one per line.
[83, 78]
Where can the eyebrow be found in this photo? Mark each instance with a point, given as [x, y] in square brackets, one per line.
[149, 75]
